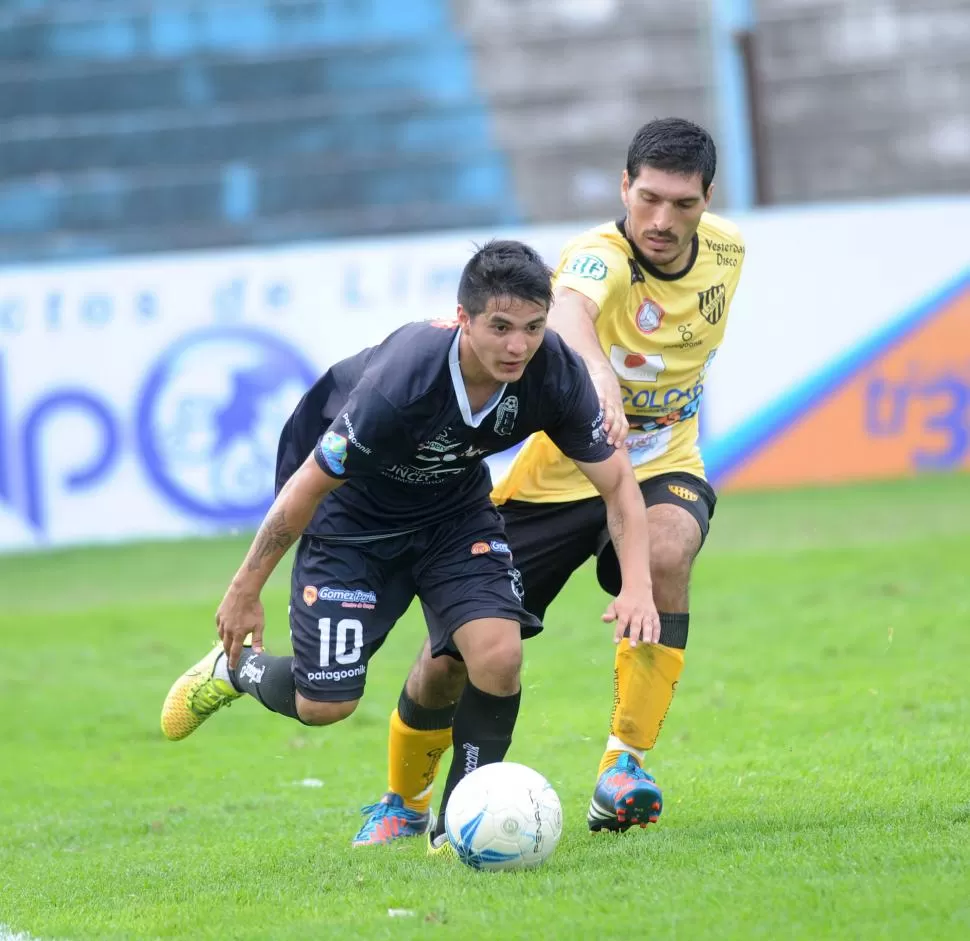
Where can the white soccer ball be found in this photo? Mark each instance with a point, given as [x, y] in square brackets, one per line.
[504, 816]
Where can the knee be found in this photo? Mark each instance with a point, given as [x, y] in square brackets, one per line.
[323, 713]
[439, 670]
[492, 648]
[670, 565]
[436, 682]
[501, 659]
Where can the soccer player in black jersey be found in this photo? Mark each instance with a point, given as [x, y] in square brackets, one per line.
[381, 479]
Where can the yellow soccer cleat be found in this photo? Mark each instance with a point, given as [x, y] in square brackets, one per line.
[195, 696]
[441, 847]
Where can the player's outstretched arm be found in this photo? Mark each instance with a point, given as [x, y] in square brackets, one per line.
[633, 609]
[241, 611]
[573, 316]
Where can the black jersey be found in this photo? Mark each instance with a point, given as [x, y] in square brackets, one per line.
[394, 422]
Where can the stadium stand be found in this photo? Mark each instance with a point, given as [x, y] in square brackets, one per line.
[146, 125]
[156, 125]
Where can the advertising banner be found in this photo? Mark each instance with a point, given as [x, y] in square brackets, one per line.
[144, 397]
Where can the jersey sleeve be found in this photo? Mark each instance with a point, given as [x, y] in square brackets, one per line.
[579, 432]
[596, 269]
[367, 433]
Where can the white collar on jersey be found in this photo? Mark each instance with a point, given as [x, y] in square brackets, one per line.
[473, 421]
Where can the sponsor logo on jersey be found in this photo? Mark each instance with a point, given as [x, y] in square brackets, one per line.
[352, 436]
[442, 444]
[644, 447]
[349, 597]
[669, 408]
[683, 493]
[310, 596]
[587, 266]
[636, 367]
[337, 674]
[688, 340]
[649, 316]
[711, 303]
[438, 447]
[440, 457]
[506, 414]
[496, 545]
[333, 448]
[668, 405]
[405, 474]
[726, 254]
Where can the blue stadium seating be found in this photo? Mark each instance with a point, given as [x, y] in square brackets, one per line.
[153, 124]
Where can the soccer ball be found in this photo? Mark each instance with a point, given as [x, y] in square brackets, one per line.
[503, 816]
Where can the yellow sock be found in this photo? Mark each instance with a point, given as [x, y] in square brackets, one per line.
[644, 680]
[413, 757]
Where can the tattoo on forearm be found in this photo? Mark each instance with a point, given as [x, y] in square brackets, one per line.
[273, 539]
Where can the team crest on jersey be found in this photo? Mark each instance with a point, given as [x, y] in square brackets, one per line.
[587, 266]
[649, 316]
[711, 303]
[310, 595]
[506, 414]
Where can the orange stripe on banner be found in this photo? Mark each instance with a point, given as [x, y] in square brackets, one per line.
[906, 411]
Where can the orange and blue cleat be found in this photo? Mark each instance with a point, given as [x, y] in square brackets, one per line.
[389, 820]
[625, 796]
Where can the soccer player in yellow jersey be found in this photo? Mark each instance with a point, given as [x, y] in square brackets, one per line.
[644, 300]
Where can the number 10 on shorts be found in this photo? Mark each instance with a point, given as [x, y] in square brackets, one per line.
[347, 640]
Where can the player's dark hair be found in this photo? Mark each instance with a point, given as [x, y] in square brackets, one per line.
[504, 269]
[675, 145]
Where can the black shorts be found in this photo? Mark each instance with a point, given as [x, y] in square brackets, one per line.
[552, 540]
[346, 596]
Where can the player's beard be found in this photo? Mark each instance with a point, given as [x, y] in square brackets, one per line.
[662, 255]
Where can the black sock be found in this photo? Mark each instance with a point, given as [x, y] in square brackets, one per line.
[481, 735]
[673, 630]
[268, 679]
[422, 719]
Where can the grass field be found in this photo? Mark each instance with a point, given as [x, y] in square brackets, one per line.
[814, 762]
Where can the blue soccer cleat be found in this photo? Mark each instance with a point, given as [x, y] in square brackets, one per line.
[389, 820]
[625, 796]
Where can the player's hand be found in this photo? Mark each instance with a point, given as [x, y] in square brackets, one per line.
[634, 615]
[239, 615]
[607, 388]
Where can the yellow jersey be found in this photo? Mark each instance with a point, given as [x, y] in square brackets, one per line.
[660, 332]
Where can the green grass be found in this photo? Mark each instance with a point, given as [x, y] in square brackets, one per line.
[814, 762]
